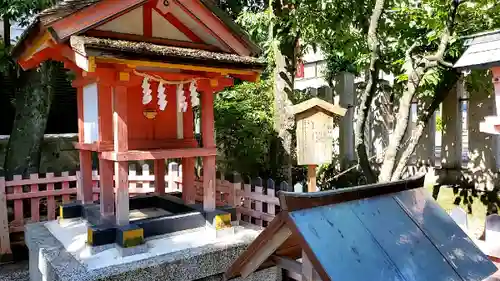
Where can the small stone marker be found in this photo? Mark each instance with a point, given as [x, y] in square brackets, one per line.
[493, 229]
[315, 122]
[460, 217]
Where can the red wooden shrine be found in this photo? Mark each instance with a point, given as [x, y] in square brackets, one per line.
[141, 67]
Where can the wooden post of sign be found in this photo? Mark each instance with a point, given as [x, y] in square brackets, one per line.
[311, 178]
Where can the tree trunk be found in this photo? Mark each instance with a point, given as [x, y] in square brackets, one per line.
[6, 32]
[369, 93]
[403, 117]
[32, 111]
[443, 90]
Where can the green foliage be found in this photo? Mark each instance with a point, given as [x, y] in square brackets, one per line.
[244, 129]
[439, 124]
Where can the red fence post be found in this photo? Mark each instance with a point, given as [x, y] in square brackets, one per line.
[5, 251]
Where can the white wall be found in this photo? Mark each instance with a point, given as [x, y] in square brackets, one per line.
[90, 114]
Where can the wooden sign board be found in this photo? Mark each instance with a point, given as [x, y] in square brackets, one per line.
[316, 119]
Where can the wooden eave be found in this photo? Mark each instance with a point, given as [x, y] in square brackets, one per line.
[129, 50]
[331, 109]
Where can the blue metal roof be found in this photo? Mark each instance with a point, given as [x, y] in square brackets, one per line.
[402, 237]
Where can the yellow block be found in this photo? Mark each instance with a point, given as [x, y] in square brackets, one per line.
[222, 221]
[90, 236]
[133, 234]
[61, 212]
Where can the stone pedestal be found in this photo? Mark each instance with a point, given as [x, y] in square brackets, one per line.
[183, 256]
[344, 86]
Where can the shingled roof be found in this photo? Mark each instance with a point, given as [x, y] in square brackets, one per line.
[143, 50]
[63, 9]
[483, 51]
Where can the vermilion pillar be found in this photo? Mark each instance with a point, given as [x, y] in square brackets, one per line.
[107, 202]
[120, 133]
[207, 130]
[84, 188]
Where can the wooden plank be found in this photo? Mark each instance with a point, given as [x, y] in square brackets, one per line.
[278, 238]
[41, 194]
[51, 201]
[145, 173]
[107, 202]
[455, 246]
[120, 117]
[4, 221]
[66, 188]
[406, 245]
[247, 203]
[292, 201]
[18, 204]
[209, 200]
[308, 271]
[254, 214]
[258, 204]
[84, 185]
[188, 180]
[19, 181]
[35, 202]
[122, 194]
[137, 155]
[340, 247]
[287, 264]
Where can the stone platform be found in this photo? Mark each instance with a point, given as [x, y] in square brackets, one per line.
[59, 252]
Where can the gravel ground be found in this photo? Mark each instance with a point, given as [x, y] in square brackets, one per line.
[14, 272]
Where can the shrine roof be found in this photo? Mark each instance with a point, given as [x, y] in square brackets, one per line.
[73, 9]
[483, 51]
[385, 231]
[122, 49]
[63, 9]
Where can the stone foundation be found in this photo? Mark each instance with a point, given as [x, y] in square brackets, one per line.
[174, 257]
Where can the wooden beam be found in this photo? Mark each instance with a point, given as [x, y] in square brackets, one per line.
[181, 27]
[139, 144]
[139, 63]
[265, 251]
[291, 201]
[308, 271]
[122, 194]
[136, 155]
[292, 266]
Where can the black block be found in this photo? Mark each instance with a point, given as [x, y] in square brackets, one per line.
[71, 210]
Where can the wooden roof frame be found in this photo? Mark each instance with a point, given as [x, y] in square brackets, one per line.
[281, 242]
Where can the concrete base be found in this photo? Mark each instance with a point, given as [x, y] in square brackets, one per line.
[61, 254]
